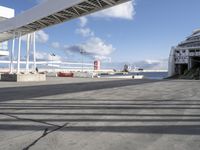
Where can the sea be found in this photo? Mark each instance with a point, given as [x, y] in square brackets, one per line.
[147, 75]
[152, 75]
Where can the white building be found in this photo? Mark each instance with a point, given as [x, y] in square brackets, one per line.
[185, 55]
[5, 13]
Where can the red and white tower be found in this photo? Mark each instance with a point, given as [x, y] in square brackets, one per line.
[97, 65]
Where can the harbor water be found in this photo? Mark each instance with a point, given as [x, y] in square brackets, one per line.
[147, 75]
[152, 75]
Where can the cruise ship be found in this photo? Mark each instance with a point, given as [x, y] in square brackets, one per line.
[184, 59]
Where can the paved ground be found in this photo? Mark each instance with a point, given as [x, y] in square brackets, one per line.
[100, 114]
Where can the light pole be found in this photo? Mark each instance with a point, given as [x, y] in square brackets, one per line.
[82, 52]
[52, 55]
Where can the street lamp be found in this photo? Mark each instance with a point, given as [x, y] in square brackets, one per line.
[52, 55]
[82, 53]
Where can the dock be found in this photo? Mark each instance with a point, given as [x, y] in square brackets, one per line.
[106, 114]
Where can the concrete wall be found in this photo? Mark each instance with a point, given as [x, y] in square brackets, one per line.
[23, 77]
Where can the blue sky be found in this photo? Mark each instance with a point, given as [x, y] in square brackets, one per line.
[146, 32]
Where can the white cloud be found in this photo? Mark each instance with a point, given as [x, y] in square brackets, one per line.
[103, 58]
[40, 55]
[85, 32]
[93, 47]
[97, 46]
[83, 21]
[123, 11]
[161, 64]
[40, 36]
[55, 45]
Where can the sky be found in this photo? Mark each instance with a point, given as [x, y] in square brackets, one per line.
[139, 32]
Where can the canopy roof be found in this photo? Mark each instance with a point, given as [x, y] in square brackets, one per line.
[49, 13]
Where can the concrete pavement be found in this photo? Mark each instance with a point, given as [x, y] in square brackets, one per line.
[100, 114]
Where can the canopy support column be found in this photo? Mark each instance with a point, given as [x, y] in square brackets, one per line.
[19, 54]
[27, 53]
[12, 55]
[34, 53]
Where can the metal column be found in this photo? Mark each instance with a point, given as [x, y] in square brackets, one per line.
[34, 53]
[12, 54]
[27, 53]
[19, 54]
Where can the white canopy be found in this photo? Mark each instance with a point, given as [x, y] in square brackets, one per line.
[49, 13]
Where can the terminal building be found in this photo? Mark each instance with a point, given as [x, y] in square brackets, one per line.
[184, 59]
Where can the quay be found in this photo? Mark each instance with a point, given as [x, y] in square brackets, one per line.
[106, 114]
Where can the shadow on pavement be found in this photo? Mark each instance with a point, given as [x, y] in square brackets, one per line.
[20, 93]
[122, 121]
[143, 129]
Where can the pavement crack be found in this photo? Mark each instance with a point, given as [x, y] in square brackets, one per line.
[45, 133]
[27, 119]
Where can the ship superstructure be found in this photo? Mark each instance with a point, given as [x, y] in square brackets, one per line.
[185, 57]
